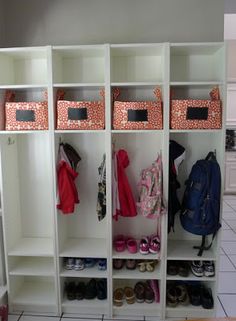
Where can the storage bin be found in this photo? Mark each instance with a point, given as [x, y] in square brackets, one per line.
[88, 115]
[25, 115]
[197, 113]
[138, 114]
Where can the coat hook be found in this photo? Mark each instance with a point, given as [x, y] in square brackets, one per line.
[10, 141]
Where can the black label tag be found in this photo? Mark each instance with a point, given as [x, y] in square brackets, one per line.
[137, 115]
[25, 115]
[198, 113]
[77, 113]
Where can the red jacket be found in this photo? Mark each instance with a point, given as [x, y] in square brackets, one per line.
[68, 195]
[127, 203]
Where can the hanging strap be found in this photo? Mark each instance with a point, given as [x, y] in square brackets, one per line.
[157, 93]
[203, 246]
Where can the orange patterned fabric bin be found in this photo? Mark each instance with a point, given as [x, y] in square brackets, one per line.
[197, 114]
[25, 115]
[88, 115]
[138, 114]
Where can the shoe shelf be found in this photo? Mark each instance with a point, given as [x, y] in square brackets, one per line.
[83, 306]
[90, 272]
[33, 266]
[191, 277]
[84, 247]
[35, 294]
[183, 250]
[32, 246]
[136, 256]
[189, 311]
[136, 274]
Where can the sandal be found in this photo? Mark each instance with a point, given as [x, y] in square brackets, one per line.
[142, 266]
[130, 264]
[129, 295]
[150, 265]
[118, 297]
[119, 243]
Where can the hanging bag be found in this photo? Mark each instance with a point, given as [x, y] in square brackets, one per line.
[197, 113]
[137, 114]
[25, 115]
[87, 115]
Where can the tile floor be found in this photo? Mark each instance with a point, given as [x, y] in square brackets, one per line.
[226, 304]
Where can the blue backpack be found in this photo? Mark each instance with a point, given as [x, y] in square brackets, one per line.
[200, 213]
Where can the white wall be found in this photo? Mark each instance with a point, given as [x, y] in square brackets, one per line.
[34, 22]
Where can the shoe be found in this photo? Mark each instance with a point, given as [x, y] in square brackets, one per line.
[129, 295]
[197, 268]
[172, 267]
[102, 264]
[195, 295]
[118, 264]
[154, 246]
[206, 298]
[144, 245]
[4, 312]
[69, 263]
[91, 290]
[118, 297]
[132, 246]
[182, 294]
[119, 243]
[130, 264]
[150, 266]
[79, 264]
[88, 263]
[102, 289]
[171, 296]
[209, 268]
[142, 266]
[139, 291]
[149, 295]
[80, 291]
[70, 289]
[183, 269]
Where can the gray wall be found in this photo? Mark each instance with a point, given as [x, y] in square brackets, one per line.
[230, 6]
[2, 24]
[41, 22]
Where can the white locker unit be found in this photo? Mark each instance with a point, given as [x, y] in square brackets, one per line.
[38, 237]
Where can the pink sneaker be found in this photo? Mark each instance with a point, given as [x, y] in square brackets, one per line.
[154, 245]
[144, 245]
[131, 244]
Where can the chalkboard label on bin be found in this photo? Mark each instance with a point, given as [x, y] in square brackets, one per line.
[25, 115]
[77, 113]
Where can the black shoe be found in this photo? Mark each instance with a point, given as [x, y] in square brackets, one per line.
[70, 289]
[102, 289]
[206, 298]
[195, 295]
[91, 290]
[80, 291]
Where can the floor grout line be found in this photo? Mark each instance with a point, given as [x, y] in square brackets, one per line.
[20, 315]
[222, 306]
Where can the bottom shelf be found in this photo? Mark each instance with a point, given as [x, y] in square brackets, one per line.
[85, 306]
[138, 309]
[32, 296]
[189, 312]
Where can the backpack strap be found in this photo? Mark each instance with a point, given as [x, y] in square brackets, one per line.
[203, 247]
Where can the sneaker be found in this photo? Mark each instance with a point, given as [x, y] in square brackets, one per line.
[144, 245]
[79, 264]
[197, 268]
[209, 268]
[206, 298]
[154, 245]
[69, 263]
